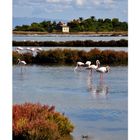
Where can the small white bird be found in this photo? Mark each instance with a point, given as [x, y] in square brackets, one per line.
[79, 65]
[19, 48]
[102, 70]
[39, 49]
[32, 49]
[28, 49]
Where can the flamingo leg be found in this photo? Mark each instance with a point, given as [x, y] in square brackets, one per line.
[90, 73]
[75, 68]
[21, 69]
[100, 76]
[24, 69]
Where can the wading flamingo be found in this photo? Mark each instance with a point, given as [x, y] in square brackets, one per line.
[39, 49]
[91, 67]
[28, 49]
[88, 63]
[103, 70]
[79, 65]
[21, 63]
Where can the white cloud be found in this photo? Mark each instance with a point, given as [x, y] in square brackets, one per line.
[80, 2]
[54, 7]
[58, 1]
[72, 3]
[96, 2]
[53, 1]
[109, 1]
[104, 2]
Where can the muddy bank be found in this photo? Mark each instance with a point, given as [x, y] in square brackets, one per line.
[123, 33]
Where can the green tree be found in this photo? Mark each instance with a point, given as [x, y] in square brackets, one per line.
[81, 19]
[93, 18]
[76, 25]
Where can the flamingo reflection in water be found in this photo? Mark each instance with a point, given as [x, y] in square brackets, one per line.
[100, 90]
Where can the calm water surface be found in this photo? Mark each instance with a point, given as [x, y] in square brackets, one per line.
[77, 48]
[97, 108]
[55, 37]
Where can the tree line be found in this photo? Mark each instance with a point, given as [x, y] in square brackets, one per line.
[77, 25]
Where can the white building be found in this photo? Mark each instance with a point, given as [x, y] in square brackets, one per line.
[65, 29]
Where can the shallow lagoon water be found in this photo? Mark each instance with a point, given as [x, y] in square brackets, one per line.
[77, 48]
[97, 108]
[57, 37]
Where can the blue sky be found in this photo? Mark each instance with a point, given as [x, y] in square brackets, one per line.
[70, 9]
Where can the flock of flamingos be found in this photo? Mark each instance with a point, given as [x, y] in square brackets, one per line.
[79, 65]
[92, 67]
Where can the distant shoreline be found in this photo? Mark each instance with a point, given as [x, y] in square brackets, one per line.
[72, 33]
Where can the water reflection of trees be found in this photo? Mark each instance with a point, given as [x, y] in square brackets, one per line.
[99, 90]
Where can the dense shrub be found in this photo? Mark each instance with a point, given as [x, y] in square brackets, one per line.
[39, 122]
[28, 57]
[16, 56]
[68, 56]
[94, 54]
[77, 43]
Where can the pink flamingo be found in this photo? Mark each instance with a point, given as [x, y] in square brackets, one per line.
[103, 70]
[22, 63]
[91, 67]
[79, 65]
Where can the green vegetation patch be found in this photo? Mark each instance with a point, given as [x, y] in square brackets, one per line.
[90, 24]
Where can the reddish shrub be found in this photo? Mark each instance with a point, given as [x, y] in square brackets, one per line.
[71, 56]
[37, 122]
[16, 56]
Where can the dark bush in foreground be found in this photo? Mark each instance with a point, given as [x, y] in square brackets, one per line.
[77, 43]
[70, 57]
[39, 122]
